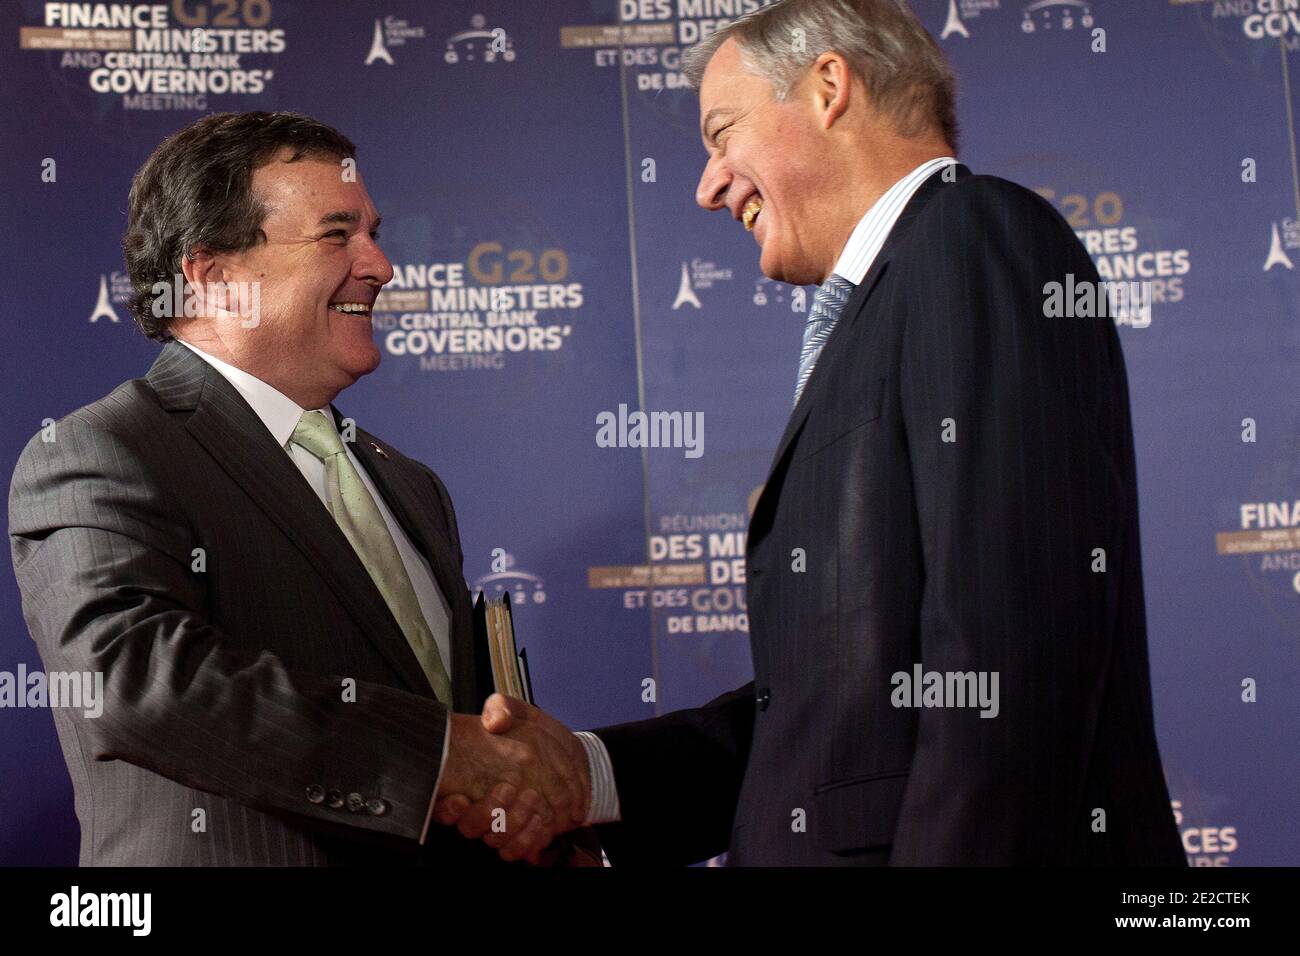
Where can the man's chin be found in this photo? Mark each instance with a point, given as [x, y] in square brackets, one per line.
[362, 361]
[778, 272]
[771, 269]
[780, 268]
[374, 362]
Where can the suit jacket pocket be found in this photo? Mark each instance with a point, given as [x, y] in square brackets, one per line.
[858, 812]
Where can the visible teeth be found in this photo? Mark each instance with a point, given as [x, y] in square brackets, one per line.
[751, 211]
[355, 307]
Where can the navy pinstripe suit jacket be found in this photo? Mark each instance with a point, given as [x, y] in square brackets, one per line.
[224, 686]
[966, 555]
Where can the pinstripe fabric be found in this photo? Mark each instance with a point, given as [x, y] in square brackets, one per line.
[165, 540]
[945, 476]
[280, 414]
[351, 505]
[865, 242]
[870, 234]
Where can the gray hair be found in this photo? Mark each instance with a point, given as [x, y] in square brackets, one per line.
[904, 70]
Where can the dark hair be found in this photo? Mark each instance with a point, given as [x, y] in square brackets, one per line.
[196, 189]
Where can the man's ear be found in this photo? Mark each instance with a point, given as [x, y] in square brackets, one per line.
[831, 81]
[200, 267]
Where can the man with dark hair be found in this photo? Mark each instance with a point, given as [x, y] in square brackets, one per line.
[273, 596]
[944, 573]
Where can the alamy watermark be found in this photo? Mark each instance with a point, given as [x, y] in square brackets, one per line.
[75, 908]
[922, 688]
[180, 298]
[79, 690]
[651, 430]
[1128, 303]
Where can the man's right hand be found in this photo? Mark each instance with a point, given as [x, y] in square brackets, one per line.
[512, 779]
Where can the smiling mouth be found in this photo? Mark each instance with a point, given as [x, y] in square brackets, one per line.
[751, 211]
[350, 308]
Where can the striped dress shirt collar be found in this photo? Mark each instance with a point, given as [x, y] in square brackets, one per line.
[871, 231]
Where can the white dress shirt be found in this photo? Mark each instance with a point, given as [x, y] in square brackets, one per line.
[865, 243]
[868, 237]
[281, 414]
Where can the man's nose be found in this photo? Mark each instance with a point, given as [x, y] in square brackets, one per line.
[371, 265]
[712, 190]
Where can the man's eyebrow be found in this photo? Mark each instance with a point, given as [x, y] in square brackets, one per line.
[710, 116]
[346, 217]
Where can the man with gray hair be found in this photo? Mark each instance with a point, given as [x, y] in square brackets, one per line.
[953, 503]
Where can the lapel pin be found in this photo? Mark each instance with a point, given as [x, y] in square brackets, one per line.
[379, 451]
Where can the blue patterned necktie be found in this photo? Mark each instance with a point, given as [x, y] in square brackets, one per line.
[827, 305]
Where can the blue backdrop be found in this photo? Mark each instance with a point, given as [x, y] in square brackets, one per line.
[538, 148]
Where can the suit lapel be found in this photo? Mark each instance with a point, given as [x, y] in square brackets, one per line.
[853, 309]
[394, 484]
[240, 444]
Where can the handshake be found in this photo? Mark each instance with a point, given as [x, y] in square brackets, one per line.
[514, 777]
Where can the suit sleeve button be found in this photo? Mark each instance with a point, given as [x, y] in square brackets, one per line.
[315, 793]
[377, 807]
[334, 800]
[355, 803]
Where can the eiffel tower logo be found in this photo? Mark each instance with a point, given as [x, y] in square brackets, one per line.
[104, 307]
[1276, 254]
[685, 293]
[954, 24]
[377, 49]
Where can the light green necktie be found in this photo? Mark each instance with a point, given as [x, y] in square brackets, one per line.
[359, 518]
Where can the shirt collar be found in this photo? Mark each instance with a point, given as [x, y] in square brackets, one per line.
[868, 237]
[278, 412]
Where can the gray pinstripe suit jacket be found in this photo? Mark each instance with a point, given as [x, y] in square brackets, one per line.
[224, 687]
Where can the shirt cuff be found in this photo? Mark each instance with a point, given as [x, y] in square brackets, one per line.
[604, 794]
[446, 740]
